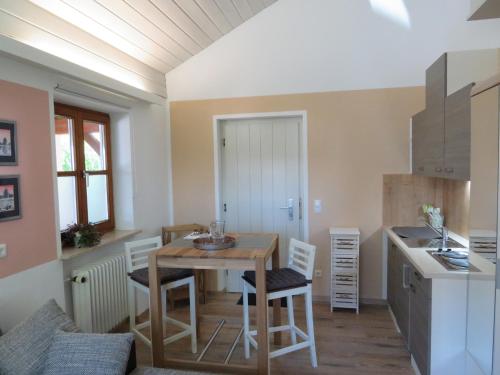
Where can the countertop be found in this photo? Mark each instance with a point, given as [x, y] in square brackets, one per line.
[432, 269]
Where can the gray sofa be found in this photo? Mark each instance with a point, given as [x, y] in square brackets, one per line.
[49, 343]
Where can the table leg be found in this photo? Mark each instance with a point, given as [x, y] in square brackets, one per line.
[197, 274]
[155, 313]
[276, 302]
[262, 324]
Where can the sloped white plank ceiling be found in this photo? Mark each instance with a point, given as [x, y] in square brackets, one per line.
[132, 41]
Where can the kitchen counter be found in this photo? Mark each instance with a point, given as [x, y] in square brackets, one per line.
[432, 269]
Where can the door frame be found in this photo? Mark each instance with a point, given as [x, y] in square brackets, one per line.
[303, 176]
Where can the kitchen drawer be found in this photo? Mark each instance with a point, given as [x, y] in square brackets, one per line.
[345, 279]
[344, 298]
[345, 244]
[344, 262]
[423, 285]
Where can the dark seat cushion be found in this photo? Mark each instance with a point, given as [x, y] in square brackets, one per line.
[284, 278]
[167, 275]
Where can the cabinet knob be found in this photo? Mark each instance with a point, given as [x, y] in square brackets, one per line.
[438, 169]
[449, 170]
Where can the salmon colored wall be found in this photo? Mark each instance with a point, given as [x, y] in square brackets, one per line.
[354, 137]
[31, 240]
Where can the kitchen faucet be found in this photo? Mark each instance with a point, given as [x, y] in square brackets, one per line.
[443, 233]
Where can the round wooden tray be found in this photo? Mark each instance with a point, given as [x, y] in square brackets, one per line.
[208, 243]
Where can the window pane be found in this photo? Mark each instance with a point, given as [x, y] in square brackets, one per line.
[95, 151]
[97, 198]
[64, 144]
[67, 201]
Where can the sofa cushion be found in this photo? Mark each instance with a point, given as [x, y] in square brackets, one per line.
[88, 354]
[23, 350]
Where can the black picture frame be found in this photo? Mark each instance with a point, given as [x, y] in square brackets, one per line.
[10, 198]
[8, 142]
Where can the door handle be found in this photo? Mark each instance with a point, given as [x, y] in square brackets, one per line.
[289, 207]
[406, 268]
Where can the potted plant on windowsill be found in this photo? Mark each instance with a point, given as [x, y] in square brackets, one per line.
[80, 235]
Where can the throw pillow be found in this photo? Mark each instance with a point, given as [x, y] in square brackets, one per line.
[88, 354]
[23, 349]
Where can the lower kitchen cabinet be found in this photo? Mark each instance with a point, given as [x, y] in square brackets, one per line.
[420, 320]
[410, 298]
[399, 290]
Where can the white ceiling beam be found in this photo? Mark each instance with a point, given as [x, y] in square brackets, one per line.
[87, 24]
[33, 36]
[165, 49]
[48, 23]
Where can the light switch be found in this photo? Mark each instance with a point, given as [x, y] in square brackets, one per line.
[3, 250]
[317, 206]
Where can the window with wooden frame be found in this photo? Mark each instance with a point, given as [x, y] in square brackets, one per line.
[84, 173]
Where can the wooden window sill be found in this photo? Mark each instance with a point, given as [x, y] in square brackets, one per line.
[107, 239]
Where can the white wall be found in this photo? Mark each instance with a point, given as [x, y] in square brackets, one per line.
[298, 46]
[23, 293]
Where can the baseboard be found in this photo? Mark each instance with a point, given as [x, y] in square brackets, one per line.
[372, 301]
[321, 299]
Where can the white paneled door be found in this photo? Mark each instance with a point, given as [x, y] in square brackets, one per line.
[261, 180]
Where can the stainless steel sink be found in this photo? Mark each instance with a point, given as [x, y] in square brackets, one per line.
[424, 237]
[436, 243]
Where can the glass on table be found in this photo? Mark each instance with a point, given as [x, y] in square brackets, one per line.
[217, 230]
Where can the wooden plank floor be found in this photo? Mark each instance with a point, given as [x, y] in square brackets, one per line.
[347, 343]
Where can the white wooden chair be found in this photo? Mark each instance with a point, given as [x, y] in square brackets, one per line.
[286, 282]
[138, 278]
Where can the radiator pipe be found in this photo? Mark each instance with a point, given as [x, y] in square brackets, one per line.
[80, 279]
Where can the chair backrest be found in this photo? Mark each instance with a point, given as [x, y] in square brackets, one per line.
[137, 252]
[170, 233]
[301, 257]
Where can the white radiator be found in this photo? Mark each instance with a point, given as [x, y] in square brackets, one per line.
[100, 300]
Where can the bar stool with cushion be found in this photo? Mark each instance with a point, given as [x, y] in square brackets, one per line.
[137, 267]
[175, 231]
[286, 282]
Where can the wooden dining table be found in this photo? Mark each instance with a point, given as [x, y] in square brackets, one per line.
[251, 252]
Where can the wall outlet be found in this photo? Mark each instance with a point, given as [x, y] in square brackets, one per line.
[318, 273]
[3, 250]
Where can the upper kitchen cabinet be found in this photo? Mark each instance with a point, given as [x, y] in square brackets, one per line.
[418, 140]
[485, 9]
[441, 133]
[432, 128]
[457, 134]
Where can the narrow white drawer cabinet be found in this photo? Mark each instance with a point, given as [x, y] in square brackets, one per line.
[345, 268]
[484, 243]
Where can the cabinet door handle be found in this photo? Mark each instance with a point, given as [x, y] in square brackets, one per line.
[406, 268]
[449, 170]
[438, 169]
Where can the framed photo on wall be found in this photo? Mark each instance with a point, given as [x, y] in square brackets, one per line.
[8, 144]
[10, 199]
